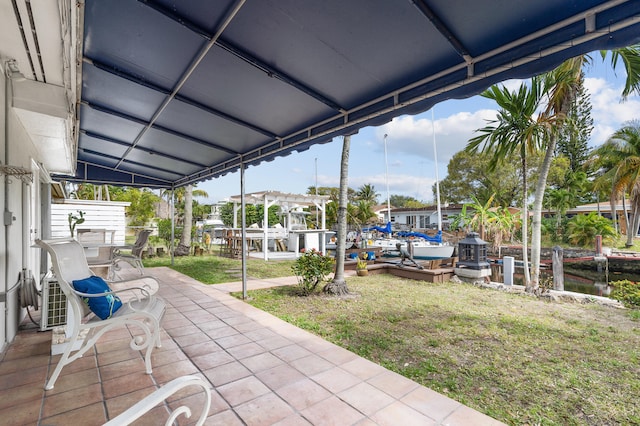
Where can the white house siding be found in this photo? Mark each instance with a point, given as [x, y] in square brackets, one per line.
[108, 215]
[16, 198]
[421, 219]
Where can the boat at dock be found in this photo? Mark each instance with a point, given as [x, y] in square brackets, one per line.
[420, 246]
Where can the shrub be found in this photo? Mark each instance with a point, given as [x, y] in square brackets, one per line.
[164, 231]
[627, 292]
[311, 269]
[583, 229]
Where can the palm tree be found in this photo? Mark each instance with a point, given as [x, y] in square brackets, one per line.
[367, 192]
[560, 200]
[338, 285]
[364, 212]
[566, 83]
[562, 86]
[514, 131]
[622, 153]
[482, 215]
[184, 197]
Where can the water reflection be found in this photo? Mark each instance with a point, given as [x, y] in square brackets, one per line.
[587, 282]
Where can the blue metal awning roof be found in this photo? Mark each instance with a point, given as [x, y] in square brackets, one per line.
[176, 92]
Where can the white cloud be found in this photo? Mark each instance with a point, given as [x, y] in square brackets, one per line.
[413, 135]
[609, 113]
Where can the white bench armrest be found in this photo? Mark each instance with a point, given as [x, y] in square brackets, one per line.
[148, 403]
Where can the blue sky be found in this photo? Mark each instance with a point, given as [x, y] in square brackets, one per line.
[410, 153]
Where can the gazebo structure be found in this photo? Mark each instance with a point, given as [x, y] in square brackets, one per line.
[293, 234]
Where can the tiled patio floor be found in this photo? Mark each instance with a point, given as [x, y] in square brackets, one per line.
[263, 371]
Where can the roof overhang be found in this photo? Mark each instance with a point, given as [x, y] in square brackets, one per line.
[175, 93]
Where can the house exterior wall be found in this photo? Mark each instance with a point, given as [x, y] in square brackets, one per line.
[418, 219]
[21, 206]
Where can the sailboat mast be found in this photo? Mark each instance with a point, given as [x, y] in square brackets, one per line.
[386, 178]
[435, 157]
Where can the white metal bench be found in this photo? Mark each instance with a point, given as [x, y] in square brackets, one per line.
[143, 309]
[146, 404]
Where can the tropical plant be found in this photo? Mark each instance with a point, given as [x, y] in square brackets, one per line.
[164, 231]
[560, 200]
[627, 292]
[567, 80]
[502, 225]
[75, 221]
[582, 229]
[460, 221]
[514, 131]
[561, 86]
[482, 215]
[367, 192]
[361, 263]
[621, 156]
[311, 269]
[364, 213]
[142, 204]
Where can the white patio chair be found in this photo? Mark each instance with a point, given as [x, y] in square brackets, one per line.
[134, 258]
[143, 309]
[146, 404]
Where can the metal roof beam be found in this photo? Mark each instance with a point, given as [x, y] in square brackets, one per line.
[185, 75]
[157, 127]
[130, 77]
[443, 29]
[162, 183]
[146, 150]
[244, 55]
[135, 163]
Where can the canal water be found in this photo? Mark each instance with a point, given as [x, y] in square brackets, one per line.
[576, 279]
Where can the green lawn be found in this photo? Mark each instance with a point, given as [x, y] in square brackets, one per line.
[212, 269]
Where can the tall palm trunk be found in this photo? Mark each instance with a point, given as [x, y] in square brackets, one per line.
[566, 83]
[635, 215]
[536, 221]
[338, 285]
[185, 238]
[613, 201]
[626, 217]
[525, 222]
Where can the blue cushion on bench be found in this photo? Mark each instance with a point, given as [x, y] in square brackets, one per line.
[104, 306]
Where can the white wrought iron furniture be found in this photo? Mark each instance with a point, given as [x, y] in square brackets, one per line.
[143, 309]
[134, 258]
[146, 404]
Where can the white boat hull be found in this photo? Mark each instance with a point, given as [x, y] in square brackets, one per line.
[432, 251]
[421, 249]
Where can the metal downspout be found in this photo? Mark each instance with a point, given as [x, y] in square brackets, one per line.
[173, 225]
[7, 215]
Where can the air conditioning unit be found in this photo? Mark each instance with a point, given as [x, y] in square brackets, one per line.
[54, 304]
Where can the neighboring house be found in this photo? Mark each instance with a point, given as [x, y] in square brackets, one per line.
[405, 219]
[381, 212]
